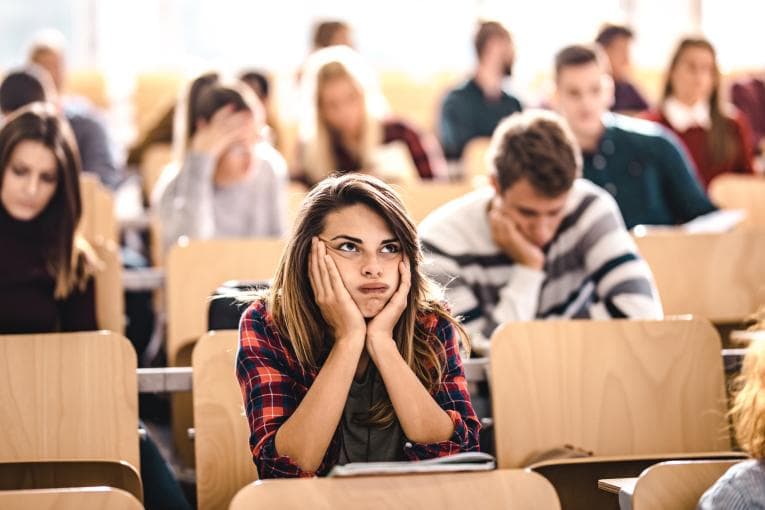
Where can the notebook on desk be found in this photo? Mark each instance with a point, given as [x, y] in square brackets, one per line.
[466, 461]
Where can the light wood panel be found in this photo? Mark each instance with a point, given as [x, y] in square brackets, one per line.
[734, 191]
[92, 498]
[55, 474]
[195, 269]
[68, 396]
[717, 276]
[422, 198]
[611, 387]
[507, 490]
[677, 485]
[474, 163]
[417, 98]
[110, 293]
[154, 161]
[223, 459]
[98, 222]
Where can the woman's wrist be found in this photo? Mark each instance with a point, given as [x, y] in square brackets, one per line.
[380, 346]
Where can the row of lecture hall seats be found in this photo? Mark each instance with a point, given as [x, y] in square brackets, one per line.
[637, 394]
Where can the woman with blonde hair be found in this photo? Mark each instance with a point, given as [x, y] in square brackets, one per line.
[717, 136]
[743, 485]
[346, 127]
[350, 357]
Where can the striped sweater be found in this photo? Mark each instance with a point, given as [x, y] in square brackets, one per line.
[592, 268]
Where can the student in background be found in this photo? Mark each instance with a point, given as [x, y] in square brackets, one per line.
[345, 127]
[331, 33]
[640, 163]
[717, 136]
[46, 270]
[743, 485]
[230, 183]
[349, 357]
[616, 41]
[539, 243]
[475, 108]
[96, 150]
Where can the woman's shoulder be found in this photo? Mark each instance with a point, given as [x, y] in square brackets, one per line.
[437, 320]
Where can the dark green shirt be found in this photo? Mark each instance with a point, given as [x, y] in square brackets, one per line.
[648, 173]
[467, 114]
[359, 442]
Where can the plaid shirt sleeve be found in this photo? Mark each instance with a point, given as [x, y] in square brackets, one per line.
[453, 397]
[272, 386]
[425, 150]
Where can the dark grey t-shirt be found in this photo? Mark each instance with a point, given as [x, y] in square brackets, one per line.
[368, 444]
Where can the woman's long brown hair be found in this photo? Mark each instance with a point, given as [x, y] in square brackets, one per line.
[721, 140]
[293, 306]
[39, 122]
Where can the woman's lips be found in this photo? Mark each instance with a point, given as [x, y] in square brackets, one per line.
[374, 288]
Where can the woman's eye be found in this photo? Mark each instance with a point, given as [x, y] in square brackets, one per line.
[49, 178]
[391, 248]
[19, 171]
[348, 247]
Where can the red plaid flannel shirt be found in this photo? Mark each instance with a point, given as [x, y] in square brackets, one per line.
[273, 383]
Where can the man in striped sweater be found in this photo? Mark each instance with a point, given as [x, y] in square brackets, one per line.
[540, 242]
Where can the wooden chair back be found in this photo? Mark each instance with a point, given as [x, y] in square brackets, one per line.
[89, 498]
[501, 489]
[734, 191]
[720, 277]
[195, 269]
[110, 292]
[56, 474]
[223, 460]
[98, 222]
[677, 485]
[68, 397]
[422, 198]
[616, 387]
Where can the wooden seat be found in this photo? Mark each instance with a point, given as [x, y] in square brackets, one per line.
[92, 498]
[89, 83]
[70, 473]
[746, 192]
[417, 98]
[717, 276]
[154, 93]
[68, 397]
[223, 460]
[194, 270]
[422, 198]
[614, 388]
[296, 193]
[503, 489]
[677, 485]
[98, 222]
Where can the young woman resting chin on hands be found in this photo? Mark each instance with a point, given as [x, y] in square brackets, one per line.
[348, 357]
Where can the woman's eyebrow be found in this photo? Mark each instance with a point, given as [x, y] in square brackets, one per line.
[352, 239]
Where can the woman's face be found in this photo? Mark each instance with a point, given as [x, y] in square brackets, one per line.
[235, 163]
[29, 180]
[367, 255]
[341, 105]
[693, 78]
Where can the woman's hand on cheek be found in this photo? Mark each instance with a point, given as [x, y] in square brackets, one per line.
[380, 329]
[336, 305]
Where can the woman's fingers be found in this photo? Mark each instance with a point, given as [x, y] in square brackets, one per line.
[326, 282]
[315, 272]
[338, 287]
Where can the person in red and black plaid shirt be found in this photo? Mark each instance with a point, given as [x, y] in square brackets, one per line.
[348, 357]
